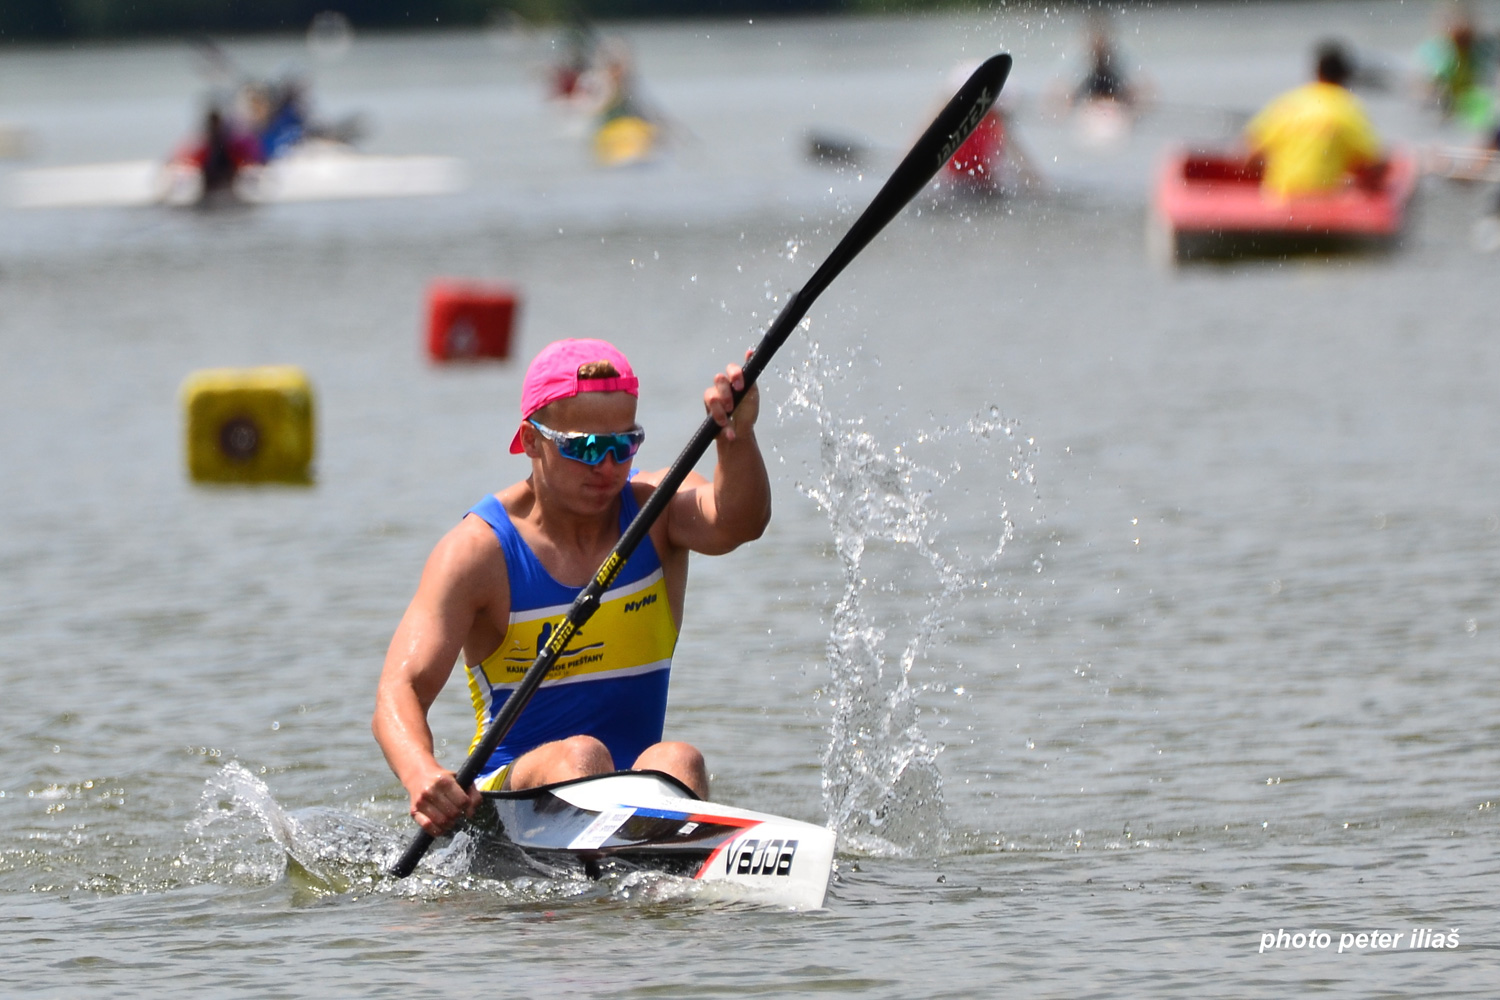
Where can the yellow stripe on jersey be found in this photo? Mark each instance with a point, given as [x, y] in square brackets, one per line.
[632, 632]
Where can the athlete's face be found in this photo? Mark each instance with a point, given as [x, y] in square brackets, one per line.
[589, 488]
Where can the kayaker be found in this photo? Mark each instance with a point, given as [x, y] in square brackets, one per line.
[1105, 79]
[283, 118]
[1314, 137]
[628, 130]
[570, 73]
[1458, 66]
[220, 153]
[990, 161]
[497, 583]
[621, 97]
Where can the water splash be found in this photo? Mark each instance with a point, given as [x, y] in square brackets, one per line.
[242, 834]
[882, 789]
[236, 830]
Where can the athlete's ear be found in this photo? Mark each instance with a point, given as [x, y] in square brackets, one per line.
[531, 441]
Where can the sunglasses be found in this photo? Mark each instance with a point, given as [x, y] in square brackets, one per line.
[590, 449]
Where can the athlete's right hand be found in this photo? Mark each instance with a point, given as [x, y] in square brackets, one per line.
[437, 802]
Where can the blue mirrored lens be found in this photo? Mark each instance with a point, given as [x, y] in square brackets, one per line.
[590, 449]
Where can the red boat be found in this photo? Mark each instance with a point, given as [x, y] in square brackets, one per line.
[1212, 204]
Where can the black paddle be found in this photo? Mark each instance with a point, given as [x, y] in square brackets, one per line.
[946, 133]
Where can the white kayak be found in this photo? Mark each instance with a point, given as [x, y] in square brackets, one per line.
[312, 172]
[649, 820]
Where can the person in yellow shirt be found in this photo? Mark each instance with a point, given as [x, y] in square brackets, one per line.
[1313, 137]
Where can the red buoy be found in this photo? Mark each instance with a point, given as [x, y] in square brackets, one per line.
[468, 320]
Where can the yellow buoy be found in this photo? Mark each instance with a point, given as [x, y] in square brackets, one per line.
[249, 425]
[624, 140]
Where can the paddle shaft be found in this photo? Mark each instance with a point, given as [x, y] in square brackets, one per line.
[947, 132]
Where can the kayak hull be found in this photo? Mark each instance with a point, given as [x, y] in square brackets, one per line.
[1208, 204]
[313, 172]
[648, 820]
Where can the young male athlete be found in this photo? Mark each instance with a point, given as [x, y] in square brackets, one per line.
[498, 582]
[1315, 136]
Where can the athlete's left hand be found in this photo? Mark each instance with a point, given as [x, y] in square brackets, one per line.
[718, 400]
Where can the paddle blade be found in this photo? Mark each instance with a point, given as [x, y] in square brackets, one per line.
[955, 123]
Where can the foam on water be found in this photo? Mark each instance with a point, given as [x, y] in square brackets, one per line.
[903, 581]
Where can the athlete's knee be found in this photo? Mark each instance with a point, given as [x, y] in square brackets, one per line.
[681, 760]
[584, 755]
[562, 760]
[684, 754]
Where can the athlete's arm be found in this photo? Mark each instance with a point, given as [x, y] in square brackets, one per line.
[458, 580]
[718, 516]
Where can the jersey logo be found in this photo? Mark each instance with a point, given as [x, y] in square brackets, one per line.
[518, 652]
[545, 636]
[638, 605]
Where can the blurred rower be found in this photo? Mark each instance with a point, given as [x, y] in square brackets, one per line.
[1458, 65]
[990, 161]
[1105, 79]
[1316, 136]
[220, 153]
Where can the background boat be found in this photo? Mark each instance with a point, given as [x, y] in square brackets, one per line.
[313, 171]
[1213, 204]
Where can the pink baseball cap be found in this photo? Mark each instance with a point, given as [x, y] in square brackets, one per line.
[553, 375]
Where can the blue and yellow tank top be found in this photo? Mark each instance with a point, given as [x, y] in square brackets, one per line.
[610, 682]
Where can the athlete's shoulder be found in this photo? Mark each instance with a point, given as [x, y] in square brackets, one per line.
[466, 568]
[469, 544]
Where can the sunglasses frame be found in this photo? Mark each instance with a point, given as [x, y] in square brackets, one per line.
[564, 440]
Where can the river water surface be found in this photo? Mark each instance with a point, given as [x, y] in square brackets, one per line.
[1116, 617]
